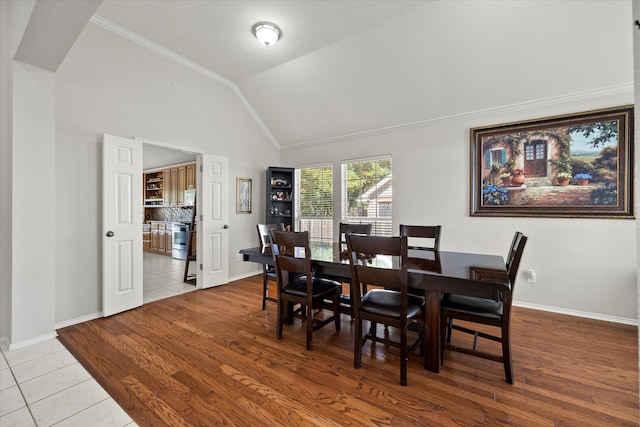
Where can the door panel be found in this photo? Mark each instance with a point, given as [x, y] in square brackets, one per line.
[535, 158]
[213, 212]
[122, 224]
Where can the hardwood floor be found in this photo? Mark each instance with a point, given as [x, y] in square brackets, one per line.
[210, 358]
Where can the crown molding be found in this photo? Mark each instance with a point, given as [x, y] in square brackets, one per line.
[148, 44]
[626, 89]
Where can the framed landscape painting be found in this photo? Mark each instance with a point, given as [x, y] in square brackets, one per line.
[243, 195]
[576, 165]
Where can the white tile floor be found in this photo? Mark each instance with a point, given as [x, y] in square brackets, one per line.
[44, 385]
[163, 277]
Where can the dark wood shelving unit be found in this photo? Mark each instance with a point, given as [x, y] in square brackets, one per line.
[280, 196]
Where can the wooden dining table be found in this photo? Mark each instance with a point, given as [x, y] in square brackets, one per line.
[471, 274]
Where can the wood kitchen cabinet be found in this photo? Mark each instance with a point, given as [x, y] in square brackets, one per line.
[153, 191]
[168, 241]
[161, 238]
[166, 186]
[182, 184]
[191, 176]
[169, 192]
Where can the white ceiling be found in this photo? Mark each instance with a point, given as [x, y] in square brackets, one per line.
[217, 36]
[346, 68]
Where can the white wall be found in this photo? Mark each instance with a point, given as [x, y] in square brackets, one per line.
[585, 266]
[109, 84]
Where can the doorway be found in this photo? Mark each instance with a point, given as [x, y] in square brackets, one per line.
[123, 217]
[163, 273]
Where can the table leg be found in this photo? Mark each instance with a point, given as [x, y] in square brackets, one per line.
[432, 331]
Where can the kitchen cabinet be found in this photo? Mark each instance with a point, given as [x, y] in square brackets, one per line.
[165, 187]
[280, 197]
[168, 192]
[182, 184]
[146, 237]
[161, 237]
[153, 188]
[191, 176]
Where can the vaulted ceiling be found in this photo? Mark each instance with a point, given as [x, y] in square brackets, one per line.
[347, 68]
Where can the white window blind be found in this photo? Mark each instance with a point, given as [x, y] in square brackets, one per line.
[314, 202]
[367, 195]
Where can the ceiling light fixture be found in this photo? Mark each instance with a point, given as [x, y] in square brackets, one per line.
[266, 33]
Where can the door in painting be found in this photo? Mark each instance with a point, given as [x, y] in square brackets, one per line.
[535, 158]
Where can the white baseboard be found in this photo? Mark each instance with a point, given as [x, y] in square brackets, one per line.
[595, 316]
[26, 343]
[77, 320]
[244, 276]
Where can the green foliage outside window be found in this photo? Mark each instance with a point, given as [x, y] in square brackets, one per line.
[316, 192]
[361, 177]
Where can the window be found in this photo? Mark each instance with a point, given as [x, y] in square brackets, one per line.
[367, 194]
[314, 202]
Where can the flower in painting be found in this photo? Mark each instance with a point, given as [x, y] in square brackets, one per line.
[494, 195]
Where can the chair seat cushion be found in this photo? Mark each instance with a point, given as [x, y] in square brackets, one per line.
[321, 286]
[386, 303]
[477, 306]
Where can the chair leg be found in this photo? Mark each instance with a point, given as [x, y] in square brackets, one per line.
[265, 290]
[373, 330]
[403, 355]
[444, 328]
[357, 344]
[336, 310]
[280, 318]
[506, 354]
[309, 321]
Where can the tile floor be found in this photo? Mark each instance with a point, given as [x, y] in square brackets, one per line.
[44, 385]
[163, 277]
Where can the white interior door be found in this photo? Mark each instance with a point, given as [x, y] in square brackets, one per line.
[213, 219]
[121, 224]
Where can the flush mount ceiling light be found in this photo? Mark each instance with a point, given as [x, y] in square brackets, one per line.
[266, 33]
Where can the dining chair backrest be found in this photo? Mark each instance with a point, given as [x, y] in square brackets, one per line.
[291, 252]
[422, 234]
[264, 233]
[346, 228]
[420, 247]
[363, 273]
[513, 248]
[514, 257]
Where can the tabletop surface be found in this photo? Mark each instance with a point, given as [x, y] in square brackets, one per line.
[444, 264]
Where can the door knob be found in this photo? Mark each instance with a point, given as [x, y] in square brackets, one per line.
[225, 226]
[110, 234]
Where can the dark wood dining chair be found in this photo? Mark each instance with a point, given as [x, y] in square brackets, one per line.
[484, 311]
[388, 302]
[268, 272]
[422, 245]
[297, 285]
[346, 228]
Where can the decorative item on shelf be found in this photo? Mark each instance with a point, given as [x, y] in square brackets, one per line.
[518, 176]
[583, 178]
[506, 179]
[563, 178]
